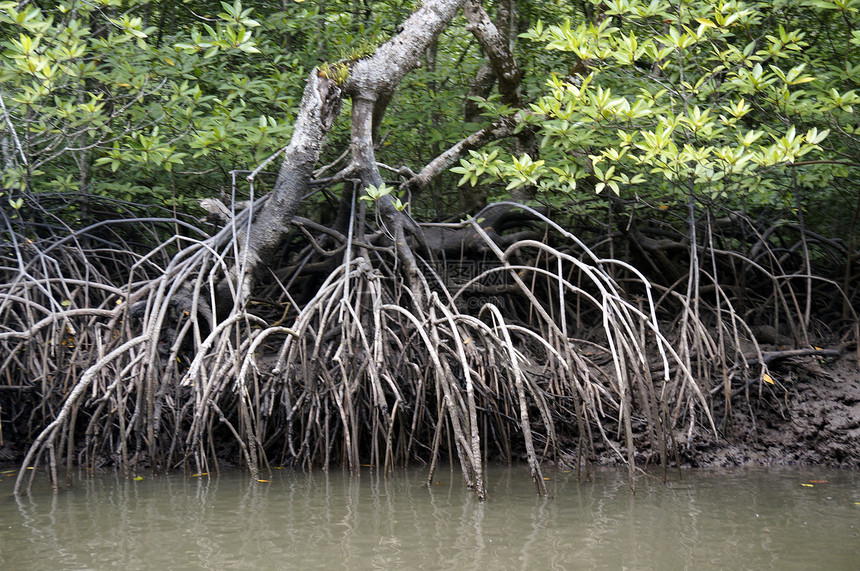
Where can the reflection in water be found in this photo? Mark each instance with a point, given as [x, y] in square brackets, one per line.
[740, 519]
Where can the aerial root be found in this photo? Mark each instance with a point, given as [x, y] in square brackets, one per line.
[565, 357]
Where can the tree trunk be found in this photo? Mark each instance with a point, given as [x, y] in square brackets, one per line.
[371, 84]
[320, 106]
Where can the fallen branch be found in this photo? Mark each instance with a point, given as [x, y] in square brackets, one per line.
[769, 357]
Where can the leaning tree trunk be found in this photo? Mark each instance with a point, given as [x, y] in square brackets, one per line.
[371, 83]
[320, 106]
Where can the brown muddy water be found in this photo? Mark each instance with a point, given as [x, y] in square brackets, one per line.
[742, 519]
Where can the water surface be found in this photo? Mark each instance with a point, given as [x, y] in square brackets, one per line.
[750, 519]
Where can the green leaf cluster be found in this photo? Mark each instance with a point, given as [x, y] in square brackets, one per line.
[134, 100]
[372, 194]
[738, 102]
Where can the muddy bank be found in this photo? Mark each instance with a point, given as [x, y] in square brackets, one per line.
[811, 416]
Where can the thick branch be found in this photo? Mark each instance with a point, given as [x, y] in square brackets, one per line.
[373, 80]
[319, 108]
[376, 78]
[484, 80]
[498, 51]
[449, 158]
[382, 72]
[394, 220]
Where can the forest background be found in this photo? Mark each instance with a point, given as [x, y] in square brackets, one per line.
[569, 231]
